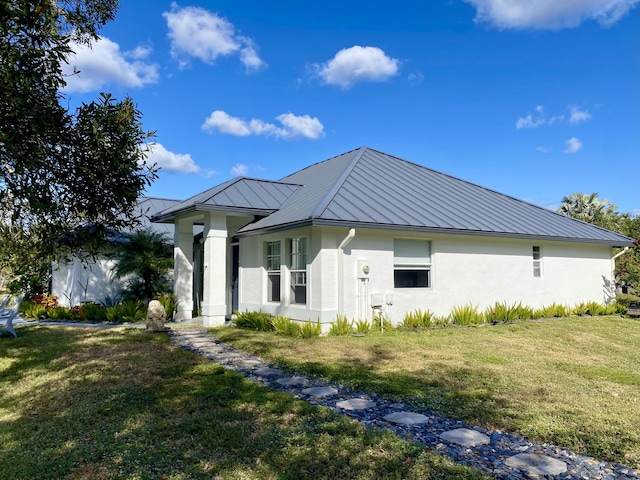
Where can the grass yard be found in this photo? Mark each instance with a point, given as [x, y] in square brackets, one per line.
[573, 382]
[105, 404]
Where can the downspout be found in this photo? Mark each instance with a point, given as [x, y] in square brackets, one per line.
[341, 247]
[613, 268]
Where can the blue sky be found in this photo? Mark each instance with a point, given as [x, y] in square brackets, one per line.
[535, 99]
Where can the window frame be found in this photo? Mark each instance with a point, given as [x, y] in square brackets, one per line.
[411, 270]
[274, 275]
[536, 253]
[298, 264]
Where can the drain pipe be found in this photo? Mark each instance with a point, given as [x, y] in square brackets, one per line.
[341, 247]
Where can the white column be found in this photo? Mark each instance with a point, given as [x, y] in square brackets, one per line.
[183, 268]
[214, 305]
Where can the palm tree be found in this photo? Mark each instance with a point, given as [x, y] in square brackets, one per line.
[589, 208]
[146, 257]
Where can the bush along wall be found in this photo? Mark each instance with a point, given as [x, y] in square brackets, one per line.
[418, 320]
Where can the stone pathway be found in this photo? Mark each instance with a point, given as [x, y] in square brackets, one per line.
[500, 454]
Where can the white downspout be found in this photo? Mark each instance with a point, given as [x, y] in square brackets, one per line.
[341, 247]
[613, 268]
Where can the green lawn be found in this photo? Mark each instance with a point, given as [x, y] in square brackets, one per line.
[105, 404]
[574, 382]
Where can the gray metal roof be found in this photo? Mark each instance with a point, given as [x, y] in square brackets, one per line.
[149, 206]
[368, 188]
[239, 195]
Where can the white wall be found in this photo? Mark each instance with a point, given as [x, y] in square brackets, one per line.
[465, 269]
[69, 280]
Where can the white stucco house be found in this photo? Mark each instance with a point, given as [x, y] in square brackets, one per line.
[76, 281]
[366, 231]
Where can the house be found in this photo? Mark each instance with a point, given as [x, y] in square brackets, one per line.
[75, 281]
[367, 232]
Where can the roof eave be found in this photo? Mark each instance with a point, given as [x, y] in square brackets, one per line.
[628, 242]
[194, 209]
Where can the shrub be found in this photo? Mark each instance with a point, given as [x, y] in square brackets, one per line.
[466, 315]
[594, 308]
[58, 313]
[381, 324]
[93, 311]
[500, 312]
[554, 310]
[261, 321]
[440, 321]
[416, 320]
[627, 299]
[620, 308]
[31, 309]
[309, 329]
[169, 303]
[362, 326]
[580, 309]
[286, 326]
[341, 326]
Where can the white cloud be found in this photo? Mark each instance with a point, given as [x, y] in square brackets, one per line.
[197, 32]
[572, 145]
[103, 63]
[294, 126]
[172, 162]
[578, 116]
[415, 78]
[549, 14]
[529, 121]
[542, 149]
[357, 64]
[239, 169]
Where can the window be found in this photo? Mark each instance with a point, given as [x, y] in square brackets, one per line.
[273, 271]
[537, 262]
[298, 268]
[412, 263]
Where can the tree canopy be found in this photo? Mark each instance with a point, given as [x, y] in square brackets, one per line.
[67, 177]
[601, 212]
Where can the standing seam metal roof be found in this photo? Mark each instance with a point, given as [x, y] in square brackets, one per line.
[366, 187]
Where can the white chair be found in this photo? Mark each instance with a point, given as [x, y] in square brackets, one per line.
[9, 314]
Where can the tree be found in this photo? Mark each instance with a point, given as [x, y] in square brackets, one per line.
[590, 209]
[67, 178]
[603, 213]
[146, 257]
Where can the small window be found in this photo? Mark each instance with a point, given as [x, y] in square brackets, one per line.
[412, 264]
[273, 271]
[537, 262]
[298, 269]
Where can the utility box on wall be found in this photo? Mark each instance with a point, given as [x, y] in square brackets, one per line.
[363, 268]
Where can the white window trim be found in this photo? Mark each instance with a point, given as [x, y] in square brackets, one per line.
[273, 272]
[415, 263]
[292, 271]
[537, 262]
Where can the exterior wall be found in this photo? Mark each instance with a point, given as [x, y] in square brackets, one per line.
[69, 281]
[465, 270]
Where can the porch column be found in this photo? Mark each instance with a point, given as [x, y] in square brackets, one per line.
[214, 307]
[183, 268]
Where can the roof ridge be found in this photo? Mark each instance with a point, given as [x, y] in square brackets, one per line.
[326, 199]
[318, 163]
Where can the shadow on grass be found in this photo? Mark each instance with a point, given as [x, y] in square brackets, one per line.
[77, 403]
[462, 392]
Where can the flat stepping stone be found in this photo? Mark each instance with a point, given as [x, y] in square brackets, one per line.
[320, 392]
[356, 404]
[268, 372]
[406, 418]
[227, 356]
[465, 437]
[248, 363]
[537, 464]
[293, 381]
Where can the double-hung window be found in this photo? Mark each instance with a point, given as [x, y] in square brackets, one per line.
[411, 263]
[537, 262]
[273, 271]
[298, 270]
